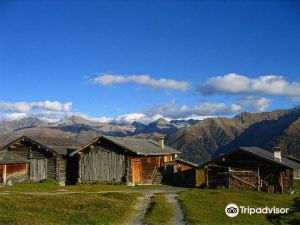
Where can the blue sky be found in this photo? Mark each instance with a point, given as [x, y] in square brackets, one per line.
[141, 60]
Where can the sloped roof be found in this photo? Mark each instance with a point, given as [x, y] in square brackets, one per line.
[7, 157]
[56, 145]
[186, 162]
[270, 156]
[137, 146]
[264, 154]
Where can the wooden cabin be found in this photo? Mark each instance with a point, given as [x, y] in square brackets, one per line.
[121, 160]
[47, 156]
[296, 173]
[251, 168]
[13, 168]
[182, 173]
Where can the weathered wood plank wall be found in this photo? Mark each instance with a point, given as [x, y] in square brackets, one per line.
[103, 165]
[42, 164]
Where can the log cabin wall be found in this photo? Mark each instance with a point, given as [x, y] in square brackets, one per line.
[61, 170]
[244, 171]
[216, 177]
[42, 164]
[102, 163]
[243, 179]
[148, 167]
[15, 172]
[287, 179]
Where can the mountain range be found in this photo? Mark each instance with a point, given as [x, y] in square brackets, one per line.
[198, 141]
[83, 130]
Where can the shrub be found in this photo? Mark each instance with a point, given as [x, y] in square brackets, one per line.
[49, 181]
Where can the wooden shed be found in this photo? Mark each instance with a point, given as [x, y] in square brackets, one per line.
[251, 168]
[296, 173]
[182, 173]
[47, 156]
[13, 168]
[121, 160]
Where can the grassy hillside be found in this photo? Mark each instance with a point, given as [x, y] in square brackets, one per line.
[84, 208]
[208, 207]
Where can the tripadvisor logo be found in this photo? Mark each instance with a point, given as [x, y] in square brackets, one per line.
[232, 210]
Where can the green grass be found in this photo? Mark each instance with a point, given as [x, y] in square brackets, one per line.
[81, 208]
[208, 207]
[297, 185]
[54, 187]
[160, 211]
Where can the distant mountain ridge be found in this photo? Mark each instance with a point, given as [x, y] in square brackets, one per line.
[210, 137]
[198, 141]
[84, 130]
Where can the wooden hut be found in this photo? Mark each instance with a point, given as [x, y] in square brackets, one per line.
[296, 173]
[182, 173]
[121, 160]
[47, 156]
[251, 168]
[13, 168]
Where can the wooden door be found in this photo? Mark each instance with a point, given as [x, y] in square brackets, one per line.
[136, 171]
[37, 169]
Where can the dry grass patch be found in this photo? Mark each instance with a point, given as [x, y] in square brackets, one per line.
[83, 208]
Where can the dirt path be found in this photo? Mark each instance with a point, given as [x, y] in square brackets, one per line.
[143, 204]
[178, 216]
[141, 208]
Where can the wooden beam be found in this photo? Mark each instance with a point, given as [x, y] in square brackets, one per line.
[4, 174]
[258, 179]
[281, 182]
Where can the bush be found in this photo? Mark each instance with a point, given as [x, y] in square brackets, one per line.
[49, 181]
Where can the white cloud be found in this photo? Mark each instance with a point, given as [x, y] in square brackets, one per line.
[15, 107]
[171, 111]
[163, 83]
[131, 117]
[254, 103]
[28, 106]
[12, 116]
[238, 84]
[46, 110]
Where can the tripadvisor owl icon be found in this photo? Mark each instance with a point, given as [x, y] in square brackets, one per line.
[232, 210]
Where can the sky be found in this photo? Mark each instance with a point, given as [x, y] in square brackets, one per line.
[143, 60]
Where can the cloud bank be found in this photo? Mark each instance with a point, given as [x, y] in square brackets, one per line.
[46, 110]
[162, 83]
[28, 106]
[238, 84]
[172, 111]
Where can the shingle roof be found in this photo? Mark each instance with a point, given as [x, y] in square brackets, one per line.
[269, 156]
[59, 145]
[56, 145]
[138, 146]
[262, 153]
[7, 157]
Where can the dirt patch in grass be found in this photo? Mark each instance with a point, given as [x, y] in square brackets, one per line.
[208, 207]
[83, 208]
